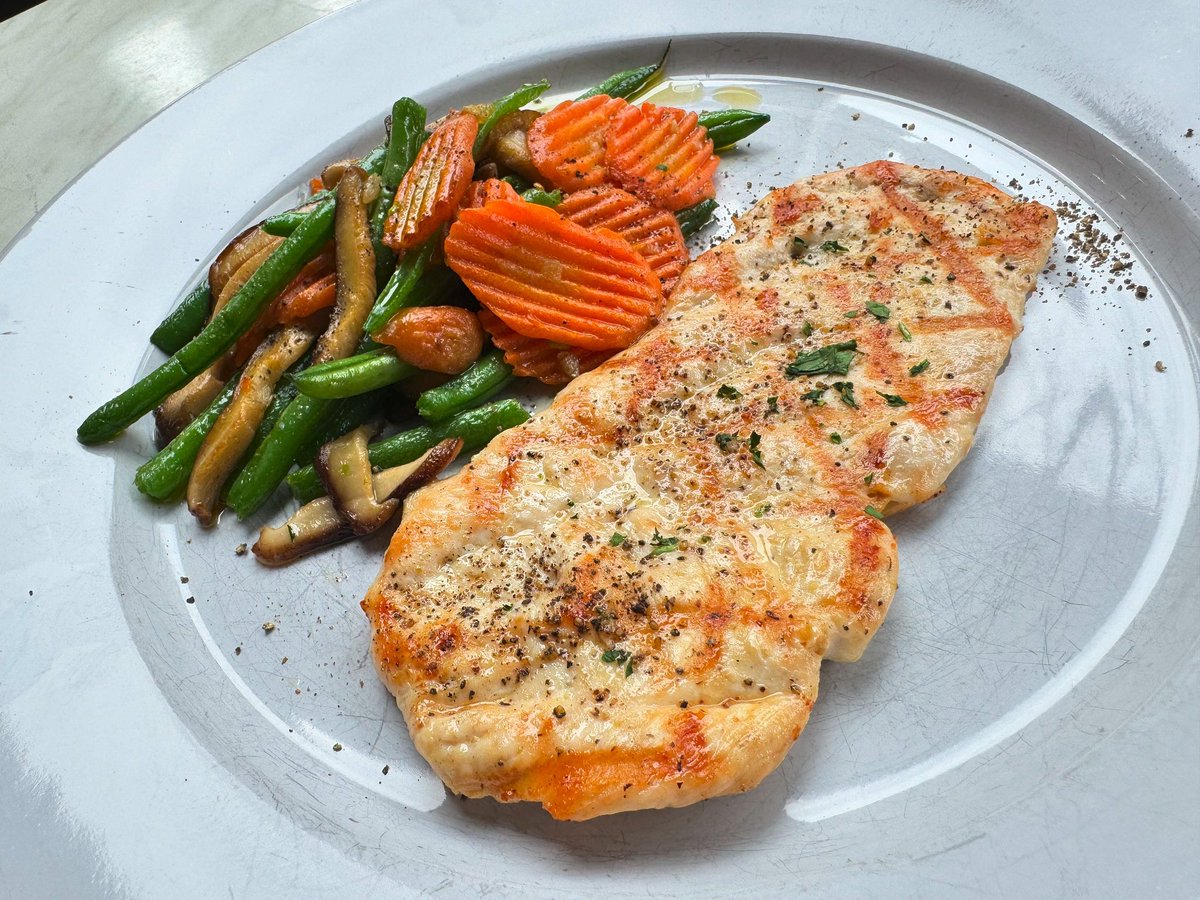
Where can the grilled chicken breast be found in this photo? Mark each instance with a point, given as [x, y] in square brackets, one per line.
[625, 603]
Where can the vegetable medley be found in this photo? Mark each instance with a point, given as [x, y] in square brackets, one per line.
[496, 242]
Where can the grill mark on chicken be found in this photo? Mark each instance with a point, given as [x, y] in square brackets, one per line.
[506, 585]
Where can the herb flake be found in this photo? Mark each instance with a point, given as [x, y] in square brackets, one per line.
[617, 539]
[663, 544]
[728, 392]
[879, 311]
[893, 399]
[872, 511]
[755, 453]
[905, 334]
[845, 391]
[834, 247]
[920, 367]
[832, 359]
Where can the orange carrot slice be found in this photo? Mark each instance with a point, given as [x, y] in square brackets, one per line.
[315, 185]
[662, 155]
[429, 193]
[546, 361]
[319, 295]
[549, 278]
[480, 193]
[653, 233]
[567, 143]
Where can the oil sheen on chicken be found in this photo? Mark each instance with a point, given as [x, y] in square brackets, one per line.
[624, 603]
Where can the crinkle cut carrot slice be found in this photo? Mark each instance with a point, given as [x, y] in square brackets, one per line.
[653, 233]
[550, 278]
[567, 143]
[429, 193]
[480, 193]
[546, 361]
[662, 155]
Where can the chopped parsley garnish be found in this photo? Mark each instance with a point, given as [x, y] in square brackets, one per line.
[904, 332]
[815, 397]
[761, 510]
[925, 279]
[725, 441]
[845, 390]
[799, 247]
[918, 368]
[834, 247]
[879, 311]
[835, 438]
[663, 544]
[853, 314]
[619, 656]
[807, 329]
[755, 453]
[543, 198]
[772, 405]
[662, 167]
[617, 539]
[869, 477]
[872, 511]
[832, 359]
[728, 392]
[892, 399]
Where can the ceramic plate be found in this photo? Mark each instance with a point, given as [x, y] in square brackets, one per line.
[154, 737]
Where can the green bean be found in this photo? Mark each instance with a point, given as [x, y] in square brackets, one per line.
[475, 426]
[629, 83]
[395, 295]
[728, 126]
[347, 416]
[407, 136]
[185, 321]
[695, 217]
[490, 375]
[526, 93]
[258, 479]
[542, 198]
[519, 184]
[165, 475]
[284, 223]
[385, 257]
[218, 335]
[353, 375]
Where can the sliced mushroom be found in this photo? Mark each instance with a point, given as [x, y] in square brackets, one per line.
[400, 481]
[332, 173]
[243, 272]
[508, 143]
[355, 269]
[345, 470]
[177, 411]
[319, 524]
[314, 525]
[233, 431]
[240, 249]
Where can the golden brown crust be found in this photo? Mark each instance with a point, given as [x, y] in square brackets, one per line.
[624, 603]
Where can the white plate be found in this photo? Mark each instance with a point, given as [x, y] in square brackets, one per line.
[157, 744]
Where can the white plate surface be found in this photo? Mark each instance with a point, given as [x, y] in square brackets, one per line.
[1045, 608]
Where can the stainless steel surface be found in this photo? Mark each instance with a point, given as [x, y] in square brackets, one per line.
[1025, 722]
